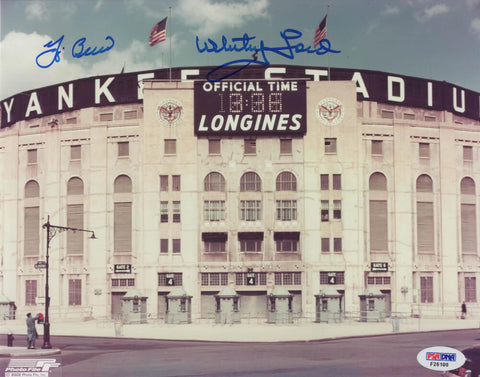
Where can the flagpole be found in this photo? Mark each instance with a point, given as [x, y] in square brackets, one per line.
[170, 40]
[326, 30]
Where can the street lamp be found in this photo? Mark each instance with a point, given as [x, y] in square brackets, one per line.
[52, 230]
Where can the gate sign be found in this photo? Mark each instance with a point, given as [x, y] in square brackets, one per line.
[251, 278]
[122, 268]
[379, 267]
[40, 264]
[170, 279]
[332, 278]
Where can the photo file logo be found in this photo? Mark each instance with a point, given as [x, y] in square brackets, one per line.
[30, 367]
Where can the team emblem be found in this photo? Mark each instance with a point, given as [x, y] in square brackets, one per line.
[330, 111]
[169, 112]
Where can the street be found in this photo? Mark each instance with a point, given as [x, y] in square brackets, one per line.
[392, 355]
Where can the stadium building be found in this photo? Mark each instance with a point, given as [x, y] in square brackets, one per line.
[291, 176]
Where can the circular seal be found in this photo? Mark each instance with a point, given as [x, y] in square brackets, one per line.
[169, 112]
[330, 111]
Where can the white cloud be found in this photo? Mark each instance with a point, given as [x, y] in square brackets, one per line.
[431, 12]
[208, 17]
[36, 10]
[390, 10]
[475, 27]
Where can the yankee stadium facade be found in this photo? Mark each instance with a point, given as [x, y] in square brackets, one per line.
[273, 177]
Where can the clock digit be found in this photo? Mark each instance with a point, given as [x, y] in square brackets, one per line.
[275, 102]
[236, 105]
[258, 105]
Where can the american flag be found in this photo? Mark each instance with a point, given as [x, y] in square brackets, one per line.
[158, 33]
[320, 32]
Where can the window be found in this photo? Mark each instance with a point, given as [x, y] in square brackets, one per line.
[250, 182]
[286, 210]
[468, 216]
[164, 183]
[378, 212]
[330, 145]
[429, 118]
[123, 282]
[214, 210]
[409, 116]
[214, 182]
[176, 211]
[75, 152]
[424, 150]
[214, 246]
[386, 114]
[325, 245]
[164, 212]
[176, 245]
[164, 245]
[470, 289]
[214, 146]
[286, 181]
[122, 184]
[288, 278]
[250, 241]
[337, 245]
[123, 149]
[337, 181]
[250, 146]
[32, 189]
[175, 183]
[31, 231]
[130, 114]
[324, 182]
[467, 153]
[105, 117]
[285, 146]
[426, 289]
[75, 220]
[74, 292]
[170, 147]
[324, 210]
[250, 210]
[30, 292]
[122, 227]
[286, 241]
[377, 147]
[214, 278]
[337, 209]
[72, 120]
[75, 186]
[32, 156]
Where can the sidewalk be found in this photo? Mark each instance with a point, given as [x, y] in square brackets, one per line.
[243, 332]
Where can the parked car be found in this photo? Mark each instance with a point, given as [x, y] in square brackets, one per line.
[472, 363]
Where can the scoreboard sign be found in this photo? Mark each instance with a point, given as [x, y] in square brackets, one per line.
[276, 107]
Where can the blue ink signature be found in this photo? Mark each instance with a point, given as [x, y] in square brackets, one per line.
[78, 50]
[81, 44]
[288, 51]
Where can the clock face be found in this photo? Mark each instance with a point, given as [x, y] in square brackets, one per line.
[250, 107]
[330, 111]
[169, 112]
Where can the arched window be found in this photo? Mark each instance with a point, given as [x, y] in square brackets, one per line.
[468, 216]
[424, 183]
[122, 184]
[32, 189]
[250, 182]
[286, 181]
[75, 186]
[378, 182]
[425, 215]
[214, 182]
[378, 212]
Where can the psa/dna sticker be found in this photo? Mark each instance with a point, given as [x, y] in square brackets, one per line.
[441, 358]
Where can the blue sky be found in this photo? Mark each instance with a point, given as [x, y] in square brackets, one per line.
[433, 39]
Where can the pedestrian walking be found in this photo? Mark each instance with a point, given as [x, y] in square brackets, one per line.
[464, 310]
[31, 330]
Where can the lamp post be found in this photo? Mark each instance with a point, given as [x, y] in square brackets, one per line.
[52, 230]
